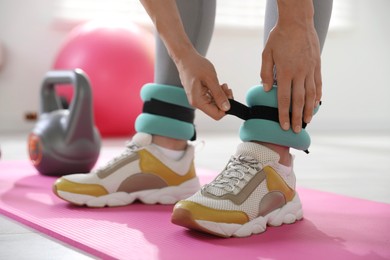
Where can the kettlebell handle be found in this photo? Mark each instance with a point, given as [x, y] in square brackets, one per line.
[79, 122]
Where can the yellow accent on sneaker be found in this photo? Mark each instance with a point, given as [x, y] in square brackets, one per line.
[276, 183]
[149, 164]
[200, 212]
[63, 184]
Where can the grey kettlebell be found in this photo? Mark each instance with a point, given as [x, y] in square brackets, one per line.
[65, 141]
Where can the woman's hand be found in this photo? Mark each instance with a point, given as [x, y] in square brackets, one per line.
[200, 81]
[293, 49]
[197, 74]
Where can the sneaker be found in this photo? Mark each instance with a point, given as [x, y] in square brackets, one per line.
[141, 172]
[253, 191]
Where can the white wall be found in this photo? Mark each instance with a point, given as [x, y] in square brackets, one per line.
[356, 65]
[29, 44]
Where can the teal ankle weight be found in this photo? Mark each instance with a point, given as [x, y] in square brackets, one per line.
[166, 112]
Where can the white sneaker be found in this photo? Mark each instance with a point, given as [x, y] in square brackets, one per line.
[247, 196]
[141, 172]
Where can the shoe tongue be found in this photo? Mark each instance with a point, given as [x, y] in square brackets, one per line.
[141, 139]
[257, 151]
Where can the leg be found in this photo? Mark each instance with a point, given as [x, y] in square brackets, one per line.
[198, 20]
[257, 187]
[323, 10]
[147, 170]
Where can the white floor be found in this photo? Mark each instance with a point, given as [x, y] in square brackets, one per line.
[356, 165]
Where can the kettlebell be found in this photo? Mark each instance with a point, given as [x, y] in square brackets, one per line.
[65, 141]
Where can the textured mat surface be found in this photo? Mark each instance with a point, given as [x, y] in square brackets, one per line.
[334, 227]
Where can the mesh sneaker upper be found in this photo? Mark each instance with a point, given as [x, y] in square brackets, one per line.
[245, 168]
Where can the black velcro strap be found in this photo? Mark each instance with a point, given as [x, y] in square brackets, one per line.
[161, 108]
[239, 110]
[256, 112]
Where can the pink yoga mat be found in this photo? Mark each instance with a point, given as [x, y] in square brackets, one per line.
[334, 227]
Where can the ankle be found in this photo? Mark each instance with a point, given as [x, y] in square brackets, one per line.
[283, 151]
[169, 143]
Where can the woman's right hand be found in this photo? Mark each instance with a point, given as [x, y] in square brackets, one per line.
[200, 81]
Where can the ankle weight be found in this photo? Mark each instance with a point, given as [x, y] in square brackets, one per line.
[262, 121]
[166, 112]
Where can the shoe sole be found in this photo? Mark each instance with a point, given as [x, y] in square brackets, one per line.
[167, 195]
[288, 214]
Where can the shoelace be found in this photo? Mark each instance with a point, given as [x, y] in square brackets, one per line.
[236, 170]
[130, 148]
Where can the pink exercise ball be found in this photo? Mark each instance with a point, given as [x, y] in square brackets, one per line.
[118, 58]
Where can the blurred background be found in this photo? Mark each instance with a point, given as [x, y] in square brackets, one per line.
[355, 60]
[351, 131]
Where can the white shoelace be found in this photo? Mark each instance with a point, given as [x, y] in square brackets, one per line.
[236, 170]
[130, 148]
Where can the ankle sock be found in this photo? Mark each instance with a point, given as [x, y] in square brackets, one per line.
[172, 154]
[282, 169]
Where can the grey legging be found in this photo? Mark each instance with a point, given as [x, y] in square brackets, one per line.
[198, 19]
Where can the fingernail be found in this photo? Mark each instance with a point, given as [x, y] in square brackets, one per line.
[225, 106]
[317, 103]
[297, 129]
[286, 126]
[265, 86]
[308, 120]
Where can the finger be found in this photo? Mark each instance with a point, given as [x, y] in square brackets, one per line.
[284, 101]
[267, 70]
[298, 102]
[204, 101]
[318, 84]
[212, 110]
[219, 96]
[228, 91]
[310, 98]
[208, 98]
